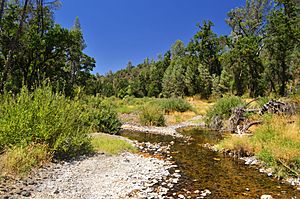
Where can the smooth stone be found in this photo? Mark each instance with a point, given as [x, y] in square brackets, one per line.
[197, 191]
[266, 197]
[181, 196]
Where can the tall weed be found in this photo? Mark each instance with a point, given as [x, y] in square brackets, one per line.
[19, 160]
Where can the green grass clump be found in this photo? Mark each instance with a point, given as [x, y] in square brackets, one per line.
[222, 108]
[277, 143]
[111, 145]
[152, 116]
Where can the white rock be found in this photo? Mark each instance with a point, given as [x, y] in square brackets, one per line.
[181, 196]
[266, 197]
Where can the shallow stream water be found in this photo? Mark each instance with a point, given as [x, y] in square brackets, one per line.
[202, 169]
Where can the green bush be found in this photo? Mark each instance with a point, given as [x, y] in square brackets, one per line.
[42, 117]
[152, 116]
[101, 115]
[222, 108]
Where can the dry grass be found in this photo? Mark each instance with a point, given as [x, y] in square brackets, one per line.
[201, 106]
[178, 117]
[236, 143]
[19, 161]
[276, 142]
[281, 136]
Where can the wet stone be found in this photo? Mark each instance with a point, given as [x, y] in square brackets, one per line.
[26, 193]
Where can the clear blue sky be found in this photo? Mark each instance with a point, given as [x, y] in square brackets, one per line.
[117, 31]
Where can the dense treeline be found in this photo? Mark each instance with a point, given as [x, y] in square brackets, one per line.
[260, 56]
[34, 49]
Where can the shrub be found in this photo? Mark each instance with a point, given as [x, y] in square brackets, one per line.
[101, 116]
[152, 116]
[42, 117]
[222, 108]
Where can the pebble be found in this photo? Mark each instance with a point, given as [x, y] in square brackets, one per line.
[205, 193]
[266, 197]
[181, 196]
[26, 193]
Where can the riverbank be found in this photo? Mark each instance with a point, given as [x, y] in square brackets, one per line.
[126, 175]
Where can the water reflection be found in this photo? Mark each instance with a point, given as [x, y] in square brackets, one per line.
[204, 169]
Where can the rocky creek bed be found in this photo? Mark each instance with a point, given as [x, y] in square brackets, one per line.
[143, 175]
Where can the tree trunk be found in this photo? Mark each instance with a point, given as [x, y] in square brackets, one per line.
[13, 47]
[282, 90]
[2, 9]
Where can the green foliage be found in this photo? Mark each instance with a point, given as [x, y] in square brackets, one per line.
[222, 108]
[44, 118]
[267, 156]
[173, 80]
[34, 48]
[205, 82]
[101, 116]
[152, 115]
[205, 46]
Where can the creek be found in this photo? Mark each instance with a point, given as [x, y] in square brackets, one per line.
[201, 169]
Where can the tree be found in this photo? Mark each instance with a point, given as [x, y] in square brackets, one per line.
[191, 76]
[205, 82]
[34, 49]
[173, 84]
[206, 48]
[177, 49]
[283, 38]
[173, 80]
[245, 43]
